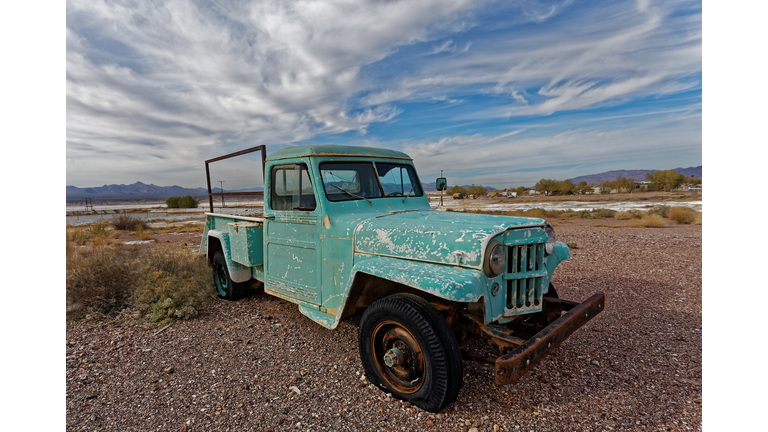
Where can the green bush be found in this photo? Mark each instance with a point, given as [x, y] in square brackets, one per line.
[174, 283]
[182, 202]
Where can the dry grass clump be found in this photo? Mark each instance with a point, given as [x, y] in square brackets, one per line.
[162, 285]
[661, 210]
[648, 221]
[623, 215]
[174, 284]
[100, 281]
[603, 213]
[126, 222]
[180, 228]
[97, 235]
[682, 215]
[143, 234]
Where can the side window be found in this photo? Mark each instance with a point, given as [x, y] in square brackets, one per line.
[291, 188]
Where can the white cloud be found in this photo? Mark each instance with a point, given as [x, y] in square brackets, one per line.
[188, 76]
[665, 141]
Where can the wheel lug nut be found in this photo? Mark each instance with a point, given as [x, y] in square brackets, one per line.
[393, 357]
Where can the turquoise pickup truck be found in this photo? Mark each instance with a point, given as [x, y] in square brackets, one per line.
[349, 229]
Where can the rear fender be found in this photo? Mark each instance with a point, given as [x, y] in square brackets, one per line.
[238, 273]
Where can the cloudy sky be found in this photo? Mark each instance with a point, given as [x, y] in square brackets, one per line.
[499, 93]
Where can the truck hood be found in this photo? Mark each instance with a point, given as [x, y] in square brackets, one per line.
[435, 236]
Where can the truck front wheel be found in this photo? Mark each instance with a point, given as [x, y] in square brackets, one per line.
[226, 288]
[408, 349]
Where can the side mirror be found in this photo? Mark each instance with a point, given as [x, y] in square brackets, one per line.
[441, 184]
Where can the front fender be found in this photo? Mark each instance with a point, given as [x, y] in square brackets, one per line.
[447, 282]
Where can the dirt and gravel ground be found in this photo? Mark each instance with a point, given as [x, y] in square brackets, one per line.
[258, 364]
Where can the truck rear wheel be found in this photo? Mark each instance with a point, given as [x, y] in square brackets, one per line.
[408, 349]
[226, 288]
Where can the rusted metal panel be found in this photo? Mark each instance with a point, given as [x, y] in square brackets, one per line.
[515, 364]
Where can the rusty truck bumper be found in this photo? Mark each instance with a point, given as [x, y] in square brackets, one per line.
[513, 365]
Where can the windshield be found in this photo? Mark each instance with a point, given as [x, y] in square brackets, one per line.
[345, 181]
[349, 181]
[398, 180]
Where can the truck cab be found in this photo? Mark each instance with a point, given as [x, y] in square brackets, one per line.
[351, 228]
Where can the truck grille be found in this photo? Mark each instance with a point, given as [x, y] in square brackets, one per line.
[525, 271]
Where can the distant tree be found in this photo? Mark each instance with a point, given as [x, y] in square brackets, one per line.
[583, 187]
[607, 186]
[477, 190]
[546, 185]
[628, 184]
[182, 202]
[665, 179]
[520, 191]
[456, 189]
[565, 187]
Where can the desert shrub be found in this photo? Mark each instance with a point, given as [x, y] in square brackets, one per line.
[622, 215]
[126, 222]
[99, 281]
[78, 236]
[585, 214]
[174, 283]
[142, 234]
[682, 215]
[537, 213]
[182, 202]
[636, 214]
[603, 213]
[661, 210]
[565, 215]
[697, 220]
[648, 221]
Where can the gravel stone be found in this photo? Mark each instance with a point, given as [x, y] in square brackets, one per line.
[636, 366]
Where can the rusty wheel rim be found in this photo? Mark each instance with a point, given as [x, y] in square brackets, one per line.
[398, 357]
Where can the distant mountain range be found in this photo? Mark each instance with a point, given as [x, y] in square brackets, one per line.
[133, 191]
[638, 175]
[141, 190]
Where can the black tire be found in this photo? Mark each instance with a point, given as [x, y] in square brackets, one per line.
[225, 287]
[424, 359]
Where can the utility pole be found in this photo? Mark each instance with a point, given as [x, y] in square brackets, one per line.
[222, 193]
[441, 190]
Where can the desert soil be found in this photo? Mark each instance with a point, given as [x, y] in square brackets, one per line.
[258, 364]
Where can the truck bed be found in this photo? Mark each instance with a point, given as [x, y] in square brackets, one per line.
[241, 237]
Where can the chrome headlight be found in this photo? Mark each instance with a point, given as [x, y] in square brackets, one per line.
[549, 246]
[495, 259]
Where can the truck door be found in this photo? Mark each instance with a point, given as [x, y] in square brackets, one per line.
[292, 235]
